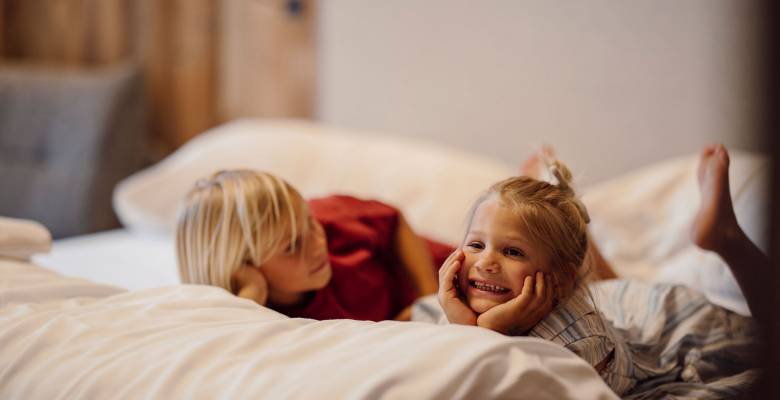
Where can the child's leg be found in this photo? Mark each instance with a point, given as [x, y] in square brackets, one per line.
[533, 165]
[602, 269]
[715, 228]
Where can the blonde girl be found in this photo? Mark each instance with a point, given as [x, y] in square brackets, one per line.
[252, 234]
[521, 271]
[526, 252]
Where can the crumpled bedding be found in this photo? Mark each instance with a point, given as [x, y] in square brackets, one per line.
[66, 338]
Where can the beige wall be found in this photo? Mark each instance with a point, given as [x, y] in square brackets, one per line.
[612, 84]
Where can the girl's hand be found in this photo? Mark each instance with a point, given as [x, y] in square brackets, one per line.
[251, 284]
[456, 311]
[519, 315]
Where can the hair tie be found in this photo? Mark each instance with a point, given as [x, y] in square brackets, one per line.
[563, 185]
[202, 183]
[559, 181]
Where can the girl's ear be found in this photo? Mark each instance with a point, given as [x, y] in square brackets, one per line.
[571, 273]
[565, 281]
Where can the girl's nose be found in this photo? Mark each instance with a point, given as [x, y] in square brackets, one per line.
[318, 241]
[488, 263]
[322, 240]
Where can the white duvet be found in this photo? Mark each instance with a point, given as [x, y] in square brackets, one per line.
[65, 338]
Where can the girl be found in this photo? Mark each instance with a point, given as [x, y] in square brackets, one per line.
[521, 267]
[252, 234]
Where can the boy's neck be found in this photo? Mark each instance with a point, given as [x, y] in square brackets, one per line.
[289, 299]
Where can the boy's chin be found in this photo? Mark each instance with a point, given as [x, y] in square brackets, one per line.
[324, 278]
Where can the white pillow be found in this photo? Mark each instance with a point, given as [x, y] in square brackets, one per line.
[20, 239]
[433, 185]
[642, 221]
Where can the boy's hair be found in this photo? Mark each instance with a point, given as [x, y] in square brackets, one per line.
[553, 219]
[232, 218]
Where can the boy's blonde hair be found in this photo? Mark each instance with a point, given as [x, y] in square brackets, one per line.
[553, 219]
[232, 218]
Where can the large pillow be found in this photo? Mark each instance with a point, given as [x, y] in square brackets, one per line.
[642, 222]
[433, 185]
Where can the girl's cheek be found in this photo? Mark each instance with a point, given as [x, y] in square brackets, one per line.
[465, 265]
[463, 273]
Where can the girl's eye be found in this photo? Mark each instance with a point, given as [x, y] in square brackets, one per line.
[514, 252]
[476, 245]
[294, 246]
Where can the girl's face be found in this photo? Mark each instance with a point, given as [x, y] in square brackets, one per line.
[299, 267]
[498, 257]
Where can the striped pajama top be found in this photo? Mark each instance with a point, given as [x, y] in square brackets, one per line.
[663, 340]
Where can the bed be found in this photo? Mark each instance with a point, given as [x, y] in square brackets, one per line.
[104, 315]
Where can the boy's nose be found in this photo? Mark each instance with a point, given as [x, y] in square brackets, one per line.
[318, 242]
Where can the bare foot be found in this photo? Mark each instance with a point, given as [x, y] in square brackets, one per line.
[534, 166]
[715, 221]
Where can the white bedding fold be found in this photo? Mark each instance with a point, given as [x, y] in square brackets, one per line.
[201, 342]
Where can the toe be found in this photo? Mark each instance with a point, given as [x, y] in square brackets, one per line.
[723, 155]
[708, 150]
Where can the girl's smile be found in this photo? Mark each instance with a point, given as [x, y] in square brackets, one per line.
[497, 257]
[488, 288]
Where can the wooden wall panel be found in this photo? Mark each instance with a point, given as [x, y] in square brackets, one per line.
[70, 32]
[204, 61]
[267, 62]
[112, 33]
[2, 27]
[177, 50]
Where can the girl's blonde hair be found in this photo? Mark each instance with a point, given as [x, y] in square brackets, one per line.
[553, 218]
[232, 218]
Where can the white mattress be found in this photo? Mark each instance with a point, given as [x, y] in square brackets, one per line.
[118, 258]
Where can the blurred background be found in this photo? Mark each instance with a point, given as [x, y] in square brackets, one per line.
[92, 90]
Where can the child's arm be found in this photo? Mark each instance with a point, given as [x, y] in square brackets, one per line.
[601, 268]
[519, 315]
[251, 284]
[416, 258]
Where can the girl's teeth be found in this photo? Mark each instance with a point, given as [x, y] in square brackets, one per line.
[488, 287]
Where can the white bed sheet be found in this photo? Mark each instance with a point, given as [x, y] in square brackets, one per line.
[117, 257]
[69, 338]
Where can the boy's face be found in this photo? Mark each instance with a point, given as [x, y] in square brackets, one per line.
[498, 257]
[301, 267]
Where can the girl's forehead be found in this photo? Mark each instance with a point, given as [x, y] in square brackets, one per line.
[496, 214]
[495, 207]
[296, 210]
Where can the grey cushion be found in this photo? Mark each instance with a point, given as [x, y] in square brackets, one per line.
[66, 138]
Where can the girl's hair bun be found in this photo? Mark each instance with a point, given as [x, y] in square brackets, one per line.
[563, 180]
